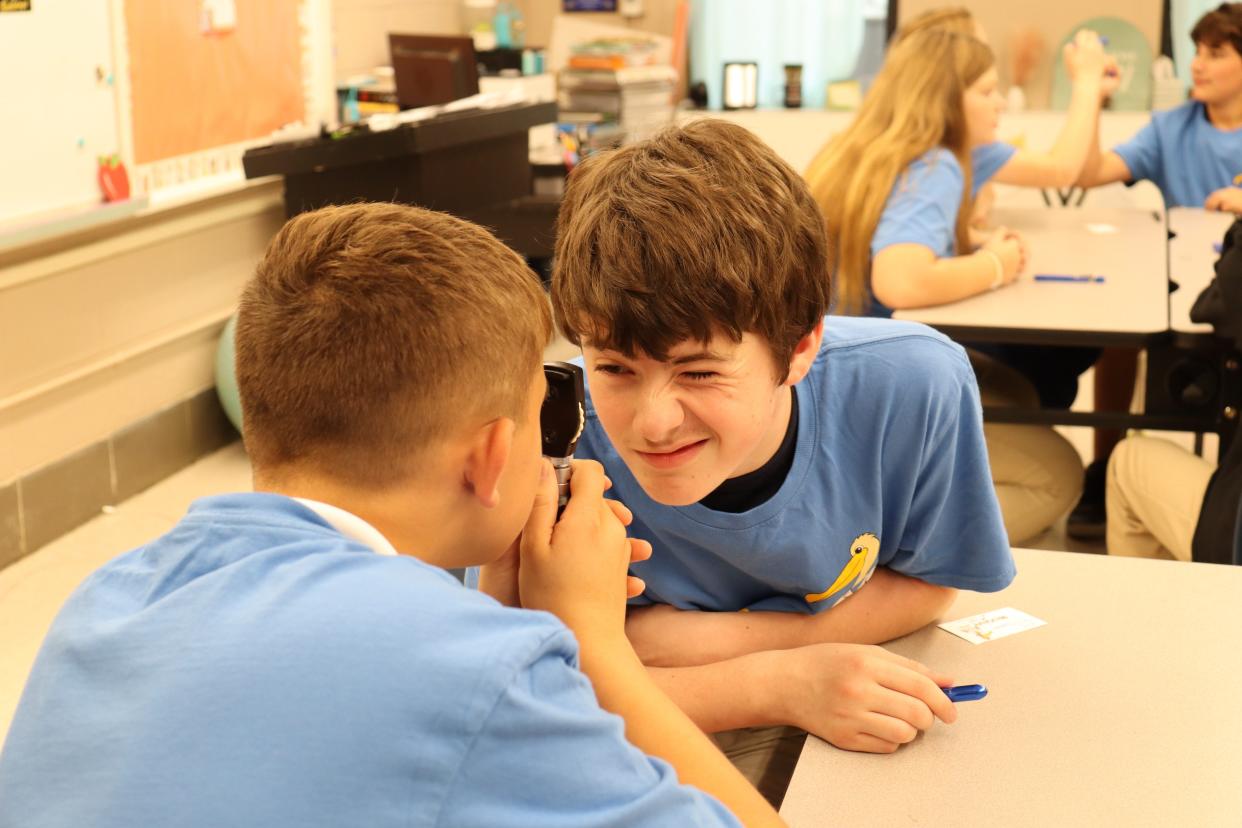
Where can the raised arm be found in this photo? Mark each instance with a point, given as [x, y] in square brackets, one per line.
[1062, 165]
[1102, 168]
[578, 574]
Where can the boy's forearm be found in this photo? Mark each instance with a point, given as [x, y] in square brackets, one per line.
[736, 692]
[889, 606]
[657, 724]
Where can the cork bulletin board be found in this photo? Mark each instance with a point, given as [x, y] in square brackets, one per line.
[194, 87]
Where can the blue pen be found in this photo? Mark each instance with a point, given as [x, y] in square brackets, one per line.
[965, 692]
[1066, 277]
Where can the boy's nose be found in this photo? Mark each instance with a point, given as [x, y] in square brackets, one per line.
[658, 417]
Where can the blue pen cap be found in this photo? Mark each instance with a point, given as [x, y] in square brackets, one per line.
[965, 692]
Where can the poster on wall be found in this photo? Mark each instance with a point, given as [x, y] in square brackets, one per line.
[589, 5]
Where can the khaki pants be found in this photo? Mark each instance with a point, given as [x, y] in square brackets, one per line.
[1037, 474]
[1155, 491]
[766, 756]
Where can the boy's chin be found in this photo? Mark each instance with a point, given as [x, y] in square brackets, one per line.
[673, 492]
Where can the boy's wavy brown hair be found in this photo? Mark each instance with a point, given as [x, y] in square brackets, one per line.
[698, 231]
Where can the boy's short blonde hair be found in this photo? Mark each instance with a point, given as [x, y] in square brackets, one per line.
[369, 331]
[699, 230]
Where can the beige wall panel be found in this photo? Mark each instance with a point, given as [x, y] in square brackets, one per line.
[361, 27]
[1053, 20]
[108, 332]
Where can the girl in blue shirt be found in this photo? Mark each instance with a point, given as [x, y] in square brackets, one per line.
[897, 190]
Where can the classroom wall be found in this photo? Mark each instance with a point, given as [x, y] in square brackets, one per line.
[104, 329]
[1053, 20]
[361, 27]
[658, 17]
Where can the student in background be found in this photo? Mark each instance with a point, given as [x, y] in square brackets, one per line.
[1164, 501]
[808, 483]
[299, 656]
[896, 192]
[1193, 153]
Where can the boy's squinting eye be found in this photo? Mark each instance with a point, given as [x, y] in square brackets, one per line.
[699, 375]
[606, 368]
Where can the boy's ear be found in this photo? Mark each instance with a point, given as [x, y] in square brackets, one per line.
[804, 354]
[485, 463]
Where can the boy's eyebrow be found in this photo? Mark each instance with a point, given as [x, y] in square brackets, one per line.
[698, 356]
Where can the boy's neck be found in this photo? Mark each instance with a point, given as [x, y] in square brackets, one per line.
[1227, 115]
[390, 511]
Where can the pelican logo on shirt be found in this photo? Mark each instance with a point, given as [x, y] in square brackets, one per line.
[864, 552]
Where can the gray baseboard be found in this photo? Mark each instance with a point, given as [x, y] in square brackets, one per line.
[41, 506]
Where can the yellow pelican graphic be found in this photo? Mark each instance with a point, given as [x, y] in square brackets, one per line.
[864, 551]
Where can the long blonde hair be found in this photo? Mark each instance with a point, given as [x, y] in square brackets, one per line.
[946, 18]
[914, 106]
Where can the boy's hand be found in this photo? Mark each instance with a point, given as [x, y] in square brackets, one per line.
[862, 697]
[577, 568]
[1226, 200]
[1084, 57]
[499, 578]
[1111, 81]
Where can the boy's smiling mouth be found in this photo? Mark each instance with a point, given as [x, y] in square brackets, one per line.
[673, 458]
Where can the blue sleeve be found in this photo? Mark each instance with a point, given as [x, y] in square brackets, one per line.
[954, 534]
[986, 161]
[548, 755]
[922, 208]
[1142, 154]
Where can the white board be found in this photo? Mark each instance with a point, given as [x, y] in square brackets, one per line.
[58, 110]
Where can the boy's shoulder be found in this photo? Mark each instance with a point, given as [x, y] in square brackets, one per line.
[916, 344]
[1188, 115]
[270, 564]
[907, 364]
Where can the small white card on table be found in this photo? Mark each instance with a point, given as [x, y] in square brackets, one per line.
[989, 626]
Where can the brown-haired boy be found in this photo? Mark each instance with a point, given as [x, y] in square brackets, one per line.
[299, 656]
[779, 462]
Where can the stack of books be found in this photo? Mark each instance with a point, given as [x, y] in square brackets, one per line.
[637, 98]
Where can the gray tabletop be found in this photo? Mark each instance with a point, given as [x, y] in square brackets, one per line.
[1125, 709]
[1125, 246]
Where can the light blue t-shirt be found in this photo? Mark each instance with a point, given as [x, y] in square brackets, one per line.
[1184, 155]
[923, 204]
[889, 469]
[254, 667]
[986, 161]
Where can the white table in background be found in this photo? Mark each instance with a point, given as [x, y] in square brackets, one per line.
[1192, 260]
[1124, 710]
[1125, 246]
